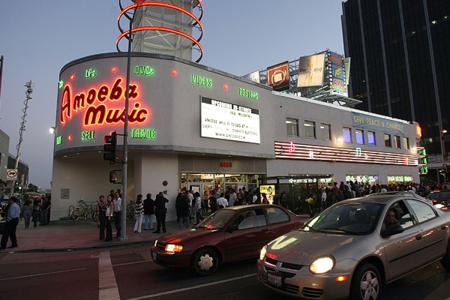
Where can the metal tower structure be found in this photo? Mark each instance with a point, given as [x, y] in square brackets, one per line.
[28, 93]
[171, 27]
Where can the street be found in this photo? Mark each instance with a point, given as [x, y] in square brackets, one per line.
[130, 273]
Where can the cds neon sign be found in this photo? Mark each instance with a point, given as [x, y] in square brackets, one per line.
[104, 105]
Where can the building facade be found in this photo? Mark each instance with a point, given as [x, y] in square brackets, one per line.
[400, 64]
[202, 129]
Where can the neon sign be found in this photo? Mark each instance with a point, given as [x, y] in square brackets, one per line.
[87, 135]
[202, 81]
[90, 73]
[103, 105]
[246, 93]
[60, 84]
[144, 71]
[144, 133]
[58, 140]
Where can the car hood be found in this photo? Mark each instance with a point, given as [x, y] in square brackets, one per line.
[185, 235]
[301, 247]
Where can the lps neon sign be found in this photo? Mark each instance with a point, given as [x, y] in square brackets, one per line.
[103, 105]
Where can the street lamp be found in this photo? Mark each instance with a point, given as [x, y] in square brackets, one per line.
[444, 153]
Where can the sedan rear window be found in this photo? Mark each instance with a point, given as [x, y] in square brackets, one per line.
[348, 218]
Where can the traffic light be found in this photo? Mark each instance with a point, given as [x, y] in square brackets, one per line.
[423, 160]
[109, 148]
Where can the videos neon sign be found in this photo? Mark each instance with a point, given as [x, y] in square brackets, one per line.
[104, 105]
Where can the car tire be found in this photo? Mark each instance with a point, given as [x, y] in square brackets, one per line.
[366, 279]
[446, 259]
[205, 262]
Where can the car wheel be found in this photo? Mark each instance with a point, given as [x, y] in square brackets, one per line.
[367, 283]
[205, 261]
[446, 259]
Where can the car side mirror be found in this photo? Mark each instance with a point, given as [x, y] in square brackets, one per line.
[391, 231]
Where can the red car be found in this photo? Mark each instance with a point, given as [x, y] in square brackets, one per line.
[230, 234]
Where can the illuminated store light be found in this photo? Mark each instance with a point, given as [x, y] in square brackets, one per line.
[246, 93]
[202, 81]
[144, 134]
[59, 140]
[174, 73]
[114, 70]
[226, 87]
[60, 84]
[90, 73]
[144, 70]
[73, 77]
[87, 135]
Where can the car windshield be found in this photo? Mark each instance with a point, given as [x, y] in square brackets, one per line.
[347, 218]
[217, 220]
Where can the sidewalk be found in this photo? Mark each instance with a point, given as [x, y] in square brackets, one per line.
[71, 236]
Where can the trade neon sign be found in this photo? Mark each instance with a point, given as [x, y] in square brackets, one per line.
[103, 105]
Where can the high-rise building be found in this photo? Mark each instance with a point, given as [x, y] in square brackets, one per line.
[401, 63]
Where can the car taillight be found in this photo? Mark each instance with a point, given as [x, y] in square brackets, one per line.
[434, 202]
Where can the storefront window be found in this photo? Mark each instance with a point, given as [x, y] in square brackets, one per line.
[325, 132]
[387, 140]
[406, 142]
[371, 140]
[292, 127]
[310, 129]
[398, 143]
[359, 134]
[347, 134]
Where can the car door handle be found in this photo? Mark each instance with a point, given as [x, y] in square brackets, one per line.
[418, 237]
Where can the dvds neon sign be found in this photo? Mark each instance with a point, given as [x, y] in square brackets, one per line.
[104, 105]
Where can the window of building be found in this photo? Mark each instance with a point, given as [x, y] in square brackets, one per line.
[325, 132]
[347, 134]
[359, 135]
[310, 129]
[371, 139]
[292, 127]
[406, 142]
[387, 140]
[398, 142]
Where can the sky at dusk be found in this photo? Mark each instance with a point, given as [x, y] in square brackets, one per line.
[37, 38]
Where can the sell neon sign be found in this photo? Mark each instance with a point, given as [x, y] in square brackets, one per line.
[103, 105]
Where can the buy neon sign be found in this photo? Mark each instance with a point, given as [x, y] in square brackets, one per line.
[103, 105]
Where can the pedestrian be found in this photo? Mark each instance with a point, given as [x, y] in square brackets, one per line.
[149, 213]
[109, 214]
[183, 210]
[233, 198]
[45, 209]
[12, 219]
[138, 214]
[160, 212]
[101, 209]
[198, 208]
[27, 212]
[36, 212]
[222, 202]
[264, 199]
[117, 213]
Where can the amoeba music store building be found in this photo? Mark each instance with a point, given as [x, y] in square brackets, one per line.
[196, 127]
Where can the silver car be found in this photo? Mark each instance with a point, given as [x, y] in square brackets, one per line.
[356, 246]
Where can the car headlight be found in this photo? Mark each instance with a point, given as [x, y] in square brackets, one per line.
[322, 265]
[156, 243]
[263, 252]
[172, 248]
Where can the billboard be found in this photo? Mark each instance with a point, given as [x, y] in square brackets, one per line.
[226, 121]
[278, 76]
[269, 190]
[338, 80]
[311, 70]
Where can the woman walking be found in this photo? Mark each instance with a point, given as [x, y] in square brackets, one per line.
[138, 214]
[27, 211]
[109, 213]
[102, 216]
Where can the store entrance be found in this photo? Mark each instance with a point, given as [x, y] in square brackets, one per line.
[218, 183]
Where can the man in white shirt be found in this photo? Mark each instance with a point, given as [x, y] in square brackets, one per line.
[222, 202]
[12, 219]
[117, 213]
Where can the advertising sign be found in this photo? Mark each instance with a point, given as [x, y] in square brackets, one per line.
[269, 190]
[338, 75]
[374, 123]
[254, 77]
[226, 121]
[311, 70]
[11, 174]
[278, 77]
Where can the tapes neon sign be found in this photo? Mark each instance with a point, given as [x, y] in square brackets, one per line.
[103, 105]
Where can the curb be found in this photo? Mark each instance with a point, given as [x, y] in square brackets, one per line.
[51, 250]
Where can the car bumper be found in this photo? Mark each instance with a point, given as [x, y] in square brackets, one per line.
[178, 260]
[303, 284]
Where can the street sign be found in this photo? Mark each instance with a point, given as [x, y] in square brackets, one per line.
[11, 174]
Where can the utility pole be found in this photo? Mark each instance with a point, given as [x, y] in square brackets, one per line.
[28, 93]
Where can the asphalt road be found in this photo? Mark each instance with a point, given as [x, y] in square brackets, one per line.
[128, 271]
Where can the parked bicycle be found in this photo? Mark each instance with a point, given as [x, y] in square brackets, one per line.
[84, 212]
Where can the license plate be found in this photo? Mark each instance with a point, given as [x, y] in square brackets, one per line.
[274, 280]
[154, 256]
